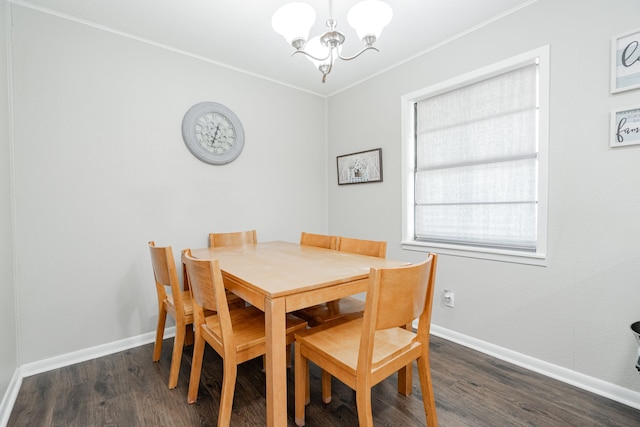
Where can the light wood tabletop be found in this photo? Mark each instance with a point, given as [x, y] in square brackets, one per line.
[281, 277]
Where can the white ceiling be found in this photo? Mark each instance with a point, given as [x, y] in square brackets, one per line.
[238, 33]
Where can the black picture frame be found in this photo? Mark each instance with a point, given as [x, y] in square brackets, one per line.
[360, 168]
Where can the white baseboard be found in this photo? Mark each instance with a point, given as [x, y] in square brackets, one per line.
[10, 396]
[585, 382]
[91, 353]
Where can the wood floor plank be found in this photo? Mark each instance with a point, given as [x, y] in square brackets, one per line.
[471, 389]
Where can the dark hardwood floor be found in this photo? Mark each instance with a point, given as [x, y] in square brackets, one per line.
[471, 389]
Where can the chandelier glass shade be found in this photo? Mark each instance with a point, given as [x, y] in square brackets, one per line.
[293, 21]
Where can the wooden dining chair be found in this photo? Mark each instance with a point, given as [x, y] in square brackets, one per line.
[333, 310]
[177, 303]
[318, 240]
[376, 248]
[363, 351]
[232, 239]
[236, 335]
[235, 238]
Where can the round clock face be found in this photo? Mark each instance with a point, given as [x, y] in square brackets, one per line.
[213, 133]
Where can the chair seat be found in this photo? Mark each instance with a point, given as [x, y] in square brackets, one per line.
[248, 328]
[340, 341]
[331, 311]
[186, 300]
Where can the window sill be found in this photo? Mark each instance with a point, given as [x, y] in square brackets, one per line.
[537, 259]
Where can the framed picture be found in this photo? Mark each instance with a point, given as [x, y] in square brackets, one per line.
[625, 127]
[625, 62]
[358, 168]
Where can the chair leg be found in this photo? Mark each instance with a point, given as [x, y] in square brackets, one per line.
[230, 372]
[363, 403]
[307, 391]
[301, 376]
[157, 348]
[405, 375]
[426, 386]
[189, 336]
[326, 386]
[176, 357]
[196, 368]
[405, 383]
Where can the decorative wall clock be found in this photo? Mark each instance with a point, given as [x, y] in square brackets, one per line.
[213, 133]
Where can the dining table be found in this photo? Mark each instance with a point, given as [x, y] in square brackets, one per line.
[280, 277]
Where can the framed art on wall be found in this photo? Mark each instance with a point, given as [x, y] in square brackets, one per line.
[625, 127]
[361, 167]
[625, 62]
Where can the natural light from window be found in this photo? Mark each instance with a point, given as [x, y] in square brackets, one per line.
[475, 154]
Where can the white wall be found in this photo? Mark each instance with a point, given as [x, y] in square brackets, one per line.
[101, 169]
[576, 312]
[8, 354]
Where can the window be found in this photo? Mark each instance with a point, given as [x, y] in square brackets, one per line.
[475, 163]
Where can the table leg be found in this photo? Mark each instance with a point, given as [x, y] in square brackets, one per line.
[276, 364]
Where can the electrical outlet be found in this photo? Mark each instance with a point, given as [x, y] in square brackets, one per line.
[448, 298]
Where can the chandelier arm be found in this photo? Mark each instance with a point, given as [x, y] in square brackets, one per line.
[324, 74]
[311, 56]
[349, 58]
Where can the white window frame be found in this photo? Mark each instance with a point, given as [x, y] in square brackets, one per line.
[539, 257]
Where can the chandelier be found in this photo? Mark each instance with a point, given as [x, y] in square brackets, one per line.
[294, 20]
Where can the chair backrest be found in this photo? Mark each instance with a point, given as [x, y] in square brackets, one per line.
[396, 297]
[232, 239]
[318, 240]
[165, 274]
[208, 293]
[363, 247]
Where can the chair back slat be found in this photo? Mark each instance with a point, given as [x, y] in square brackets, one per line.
[160, 261]
[201, 283]
[401, 293]
[165, 274]
[318, 240]
[208, 293]
[232, 239]
[424, 322]
[363, 247]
